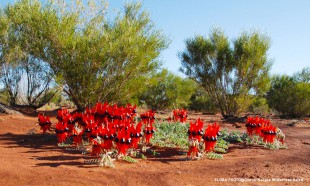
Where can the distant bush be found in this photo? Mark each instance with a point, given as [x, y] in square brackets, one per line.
[259, 106]
[200, 101]
[290, 96]
[169, 91]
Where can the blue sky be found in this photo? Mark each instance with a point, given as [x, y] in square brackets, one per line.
[285, 21]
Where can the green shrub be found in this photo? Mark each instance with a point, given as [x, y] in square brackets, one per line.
[289, 97]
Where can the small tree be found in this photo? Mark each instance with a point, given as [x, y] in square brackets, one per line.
[169, 91]
[11, 77]
[19, 64]
[40, 84]
[94, 58]
[231, 73]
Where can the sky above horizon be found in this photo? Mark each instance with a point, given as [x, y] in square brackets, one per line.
[286, 22]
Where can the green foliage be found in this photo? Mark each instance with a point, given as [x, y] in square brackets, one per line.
[171, 135]
[139, 155]
[11, 77]
[221, 146]
[289, 96]
[259, 106]
[303, 75]
[276, 145]
[28, 80]
[129, 159]
[229, 72]
[213, 155]
[93, 58]
[169, 91]
[4, 96]
[233, 136]
[200, 101]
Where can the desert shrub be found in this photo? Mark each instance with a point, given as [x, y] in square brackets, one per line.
[169, 91]
[289, 96]
[200, 101]
[259, 106]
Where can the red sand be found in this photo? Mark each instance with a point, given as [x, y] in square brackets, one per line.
[29, 160]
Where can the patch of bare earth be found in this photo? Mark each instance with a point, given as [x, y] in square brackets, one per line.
[35, 160]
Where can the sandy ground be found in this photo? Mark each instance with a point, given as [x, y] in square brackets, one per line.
[33, 160]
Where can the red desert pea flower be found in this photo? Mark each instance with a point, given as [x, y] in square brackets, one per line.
[44, 122]
[61, 131]
[194, 137]
[210, 136]
[135, 134]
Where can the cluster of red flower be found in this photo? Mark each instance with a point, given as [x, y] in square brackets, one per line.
[105, 124]
[195, 134]
[148, 119]
[210, 136]
[44, 122]
[263, 128]
[178, 115]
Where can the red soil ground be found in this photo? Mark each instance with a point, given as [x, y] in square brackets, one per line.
[31, 160]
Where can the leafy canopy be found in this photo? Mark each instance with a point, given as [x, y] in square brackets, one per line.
[93, 58]
[230, 72]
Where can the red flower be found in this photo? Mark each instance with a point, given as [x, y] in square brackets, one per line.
[123, 142]
[44, 122]
[193, 148]
[135, 134]
[77, 135]
[195, 130]
[69, 119]
[96, 146]
[179, 115]
[109, 135]
[61, 131]
[148, 132]
[210, 136]
[194, 137]
[148, 117]
[268, 133]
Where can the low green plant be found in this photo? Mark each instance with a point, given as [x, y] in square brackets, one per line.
[129, 159]
[171, 135]
[275, 145]
[139, 155]
[233, 136]
[221, 146]
[213, 155]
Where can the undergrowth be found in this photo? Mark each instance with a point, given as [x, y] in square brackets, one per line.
[171, 135]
